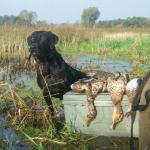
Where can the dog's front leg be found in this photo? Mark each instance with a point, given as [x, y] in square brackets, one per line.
[48, 100]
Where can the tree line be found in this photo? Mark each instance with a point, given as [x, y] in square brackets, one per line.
[25, 17]
[133, 22]
[89, 18]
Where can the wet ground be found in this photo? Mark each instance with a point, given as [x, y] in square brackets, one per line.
[12, 70]
[9, 138]
[111, 143]
[12, 141]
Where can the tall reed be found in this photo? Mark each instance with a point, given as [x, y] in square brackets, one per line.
[79, 39]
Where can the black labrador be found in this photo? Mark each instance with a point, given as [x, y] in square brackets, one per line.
[54, 75]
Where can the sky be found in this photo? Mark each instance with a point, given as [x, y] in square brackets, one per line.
[69, 11]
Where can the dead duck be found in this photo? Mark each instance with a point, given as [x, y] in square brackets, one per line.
[132, 90]
[119, 86]
[91, 87]
[117, 115]
[116, 87]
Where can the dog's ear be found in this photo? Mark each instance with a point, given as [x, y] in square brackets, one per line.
[53, 39]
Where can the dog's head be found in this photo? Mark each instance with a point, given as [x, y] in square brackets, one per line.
[41, 43]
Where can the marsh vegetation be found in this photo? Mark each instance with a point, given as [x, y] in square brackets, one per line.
[126, 50]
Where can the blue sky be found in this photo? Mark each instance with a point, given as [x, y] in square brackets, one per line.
[61, 11]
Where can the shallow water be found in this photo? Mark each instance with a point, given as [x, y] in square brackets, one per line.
[100, 63]
[10, 136]
[12, 71]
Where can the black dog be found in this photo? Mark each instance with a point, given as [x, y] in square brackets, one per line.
[54, 75]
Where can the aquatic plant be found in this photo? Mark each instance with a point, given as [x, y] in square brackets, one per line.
[65, 138]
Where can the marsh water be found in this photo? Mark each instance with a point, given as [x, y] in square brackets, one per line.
[12, 69]
[10, 136]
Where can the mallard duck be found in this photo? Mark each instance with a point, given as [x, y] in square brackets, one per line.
[116, 88]
[91, 87]
[117, 115]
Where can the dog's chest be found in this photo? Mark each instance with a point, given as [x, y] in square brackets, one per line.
[49, 74]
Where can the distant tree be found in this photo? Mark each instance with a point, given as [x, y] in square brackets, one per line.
[29, 17]
[42, 22]
[89, 16]
[134, 22]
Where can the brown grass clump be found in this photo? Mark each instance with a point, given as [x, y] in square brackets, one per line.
[30, 117]
[13, 38]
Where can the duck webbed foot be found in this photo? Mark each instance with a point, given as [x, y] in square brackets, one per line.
[129, 111]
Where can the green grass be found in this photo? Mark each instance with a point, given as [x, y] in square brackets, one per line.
[100, 43]
[134, 48]
[66, 138]
[133, 44]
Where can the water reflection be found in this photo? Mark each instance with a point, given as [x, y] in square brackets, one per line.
[13, 68]
[105, 64]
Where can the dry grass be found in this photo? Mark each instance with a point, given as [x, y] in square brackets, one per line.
[13, 38]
